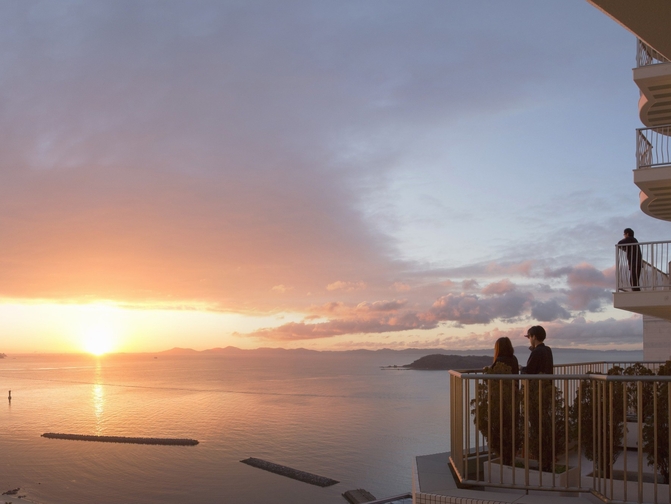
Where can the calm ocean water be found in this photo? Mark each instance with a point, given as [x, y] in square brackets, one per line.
[334, 414]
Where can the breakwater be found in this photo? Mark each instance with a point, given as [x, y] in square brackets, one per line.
[122, 439]
[305, 477]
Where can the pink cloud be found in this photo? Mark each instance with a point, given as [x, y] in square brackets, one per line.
[501, 287]
[346, 286]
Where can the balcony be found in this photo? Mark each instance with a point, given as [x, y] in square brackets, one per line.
[597, 429]
[653, 77]
[653, 170]
[650, 293]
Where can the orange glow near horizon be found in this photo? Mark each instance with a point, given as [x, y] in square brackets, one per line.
[105, 327]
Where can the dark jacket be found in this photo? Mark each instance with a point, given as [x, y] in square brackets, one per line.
[509, 360]
[633, 252]
[540, 361]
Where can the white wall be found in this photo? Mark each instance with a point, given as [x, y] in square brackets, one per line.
[656, 339]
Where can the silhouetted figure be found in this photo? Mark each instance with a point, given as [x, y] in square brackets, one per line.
[540, 392]
[504, 352]
[634, 257]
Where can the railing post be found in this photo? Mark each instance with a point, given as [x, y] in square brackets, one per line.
[526, 432]
[639, 415]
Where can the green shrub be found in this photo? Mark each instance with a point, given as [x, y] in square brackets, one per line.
[501, 426]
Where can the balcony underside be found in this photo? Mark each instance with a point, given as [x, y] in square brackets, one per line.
[655, 186]
[653, 303]
[654, 106]
[649, 20]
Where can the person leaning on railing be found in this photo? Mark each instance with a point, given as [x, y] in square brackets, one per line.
[634, 257]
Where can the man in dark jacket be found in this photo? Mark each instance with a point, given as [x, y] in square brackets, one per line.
[540, 361]
[540, 417]
[634, 257]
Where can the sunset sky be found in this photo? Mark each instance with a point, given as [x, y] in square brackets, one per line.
[327, 175]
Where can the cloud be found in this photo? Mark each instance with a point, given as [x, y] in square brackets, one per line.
[392, 316]
[587, 275]
[502, 287]
[400, 287]
[548, 311]
[469, 285]
[524, 268]
[301, 331]
[589, 289]
[472, 309]
[579, 333]
[503, 300]
[381, 306]
[280, 288]
[346, 286]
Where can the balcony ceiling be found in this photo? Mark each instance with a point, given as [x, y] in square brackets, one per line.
[653, 303]
[649, 20]
[655, 186]
[654, 81]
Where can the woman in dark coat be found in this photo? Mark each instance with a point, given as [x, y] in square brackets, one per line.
[504, 352]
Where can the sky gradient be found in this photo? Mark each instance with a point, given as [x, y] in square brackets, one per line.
[328, 175]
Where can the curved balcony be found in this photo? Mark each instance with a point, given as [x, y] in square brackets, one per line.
[643, 278]
[653, 77]
[653, 170]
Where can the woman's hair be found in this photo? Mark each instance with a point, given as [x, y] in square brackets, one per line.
[503, 347]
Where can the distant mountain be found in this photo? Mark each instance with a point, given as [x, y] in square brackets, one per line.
[231, 350]
[439, 362]
[561, 355]
[179, 351]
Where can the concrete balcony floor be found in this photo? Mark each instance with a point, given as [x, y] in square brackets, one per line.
[434, 483]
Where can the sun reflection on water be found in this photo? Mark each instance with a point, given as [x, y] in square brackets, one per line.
[98, 399]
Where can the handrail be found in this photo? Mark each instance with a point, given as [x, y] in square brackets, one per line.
[653, 147]
[646, 55]
[644, 266]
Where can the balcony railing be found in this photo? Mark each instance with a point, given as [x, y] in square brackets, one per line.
[643, 266]
[646, 55]
[604, 430]
[653, 147]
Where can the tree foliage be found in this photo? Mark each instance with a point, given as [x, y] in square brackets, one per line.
[496, 410]
[656, 424]
[590, 423]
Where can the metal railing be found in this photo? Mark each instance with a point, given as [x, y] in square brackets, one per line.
[653, 147]
[607, 434]
[646, 55]
[643, 266]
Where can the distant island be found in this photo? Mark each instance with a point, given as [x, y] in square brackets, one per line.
[442, 362]
[2, 356]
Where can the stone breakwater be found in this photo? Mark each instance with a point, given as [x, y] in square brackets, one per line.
[122, 439]
[303, 476]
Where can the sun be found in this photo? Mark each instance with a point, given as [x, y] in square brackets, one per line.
[98, 340]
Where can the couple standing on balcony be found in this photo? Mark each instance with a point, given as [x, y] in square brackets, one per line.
[541, 393]
[540, 361]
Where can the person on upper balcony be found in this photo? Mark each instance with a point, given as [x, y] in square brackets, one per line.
[540, 361]
[634, 257]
